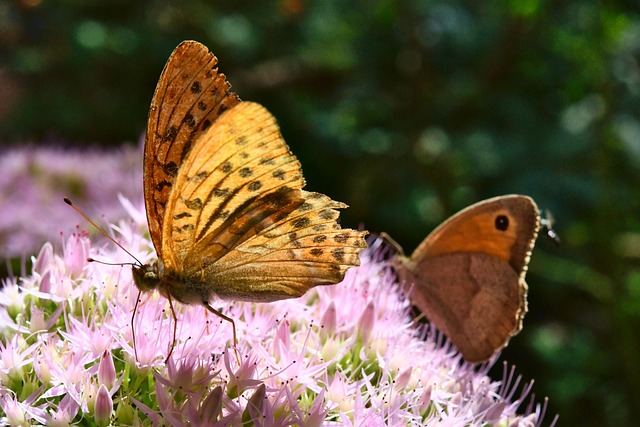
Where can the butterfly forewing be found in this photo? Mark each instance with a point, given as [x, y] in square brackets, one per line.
[239, 160]
[241, 222]
[458, 234]
[189, 97]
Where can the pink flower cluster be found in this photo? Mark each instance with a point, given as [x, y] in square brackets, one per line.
[35, 179]
[347, 354]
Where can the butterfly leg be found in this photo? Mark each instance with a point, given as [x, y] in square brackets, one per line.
[175, 326]
[233, 325]
[133, 328]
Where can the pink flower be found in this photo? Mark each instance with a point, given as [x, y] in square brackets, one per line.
[65, 412]
[103, 407]
[106, 370]
[21, 412]
[34, 181]
[347, 354]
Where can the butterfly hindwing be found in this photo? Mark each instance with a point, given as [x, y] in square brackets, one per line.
[478, 311]
[308, 248]
[189, 97]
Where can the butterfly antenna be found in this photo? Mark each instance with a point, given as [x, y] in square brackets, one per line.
[70, 203]
[546, 223]
[111, 263]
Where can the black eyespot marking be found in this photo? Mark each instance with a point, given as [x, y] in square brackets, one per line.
[245, 172]
[244, 155]
[170, 134]
[182, 215]
[338, 254]
[205, 124]
[305, 207]
[195, 87]
[221, 192]
[255, 186]
[200, 176]
[160, 186]
[170, 169]
[319, 238]
[242, 140]
[278, 174]
[227, 167]
[195, 204]
[184, 228]
[189, 120]
[318, 228]
[327, 214]
[202, 106]
[316, 251]
[267, 161]
[341, 238]
[301, 222]
[293, 238]
[502, 222]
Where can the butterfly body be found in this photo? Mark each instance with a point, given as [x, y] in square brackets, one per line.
[226, 210]
[468, 275]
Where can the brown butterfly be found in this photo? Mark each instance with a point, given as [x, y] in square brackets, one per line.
[468, 275]
[223, 193]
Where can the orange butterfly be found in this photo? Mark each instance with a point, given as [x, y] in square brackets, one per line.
[223, 193]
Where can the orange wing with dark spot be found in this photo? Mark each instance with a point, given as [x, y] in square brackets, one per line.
[241, 222]
[190, 96]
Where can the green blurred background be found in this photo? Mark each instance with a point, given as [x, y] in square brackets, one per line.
[408, 111]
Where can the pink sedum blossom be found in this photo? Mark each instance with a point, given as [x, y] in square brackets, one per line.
[348, 354]
[35, 179]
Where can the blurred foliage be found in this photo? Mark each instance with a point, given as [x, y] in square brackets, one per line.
[408, 111]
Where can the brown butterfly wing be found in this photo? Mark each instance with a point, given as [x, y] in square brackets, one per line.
[189, 97]
[474, 229]
[240, 221]
[468, 275]
[479, 310]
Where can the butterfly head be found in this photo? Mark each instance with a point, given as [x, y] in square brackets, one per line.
[146, 277]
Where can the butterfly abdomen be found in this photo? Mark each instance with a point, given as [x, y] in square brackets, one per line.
[193, 290]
